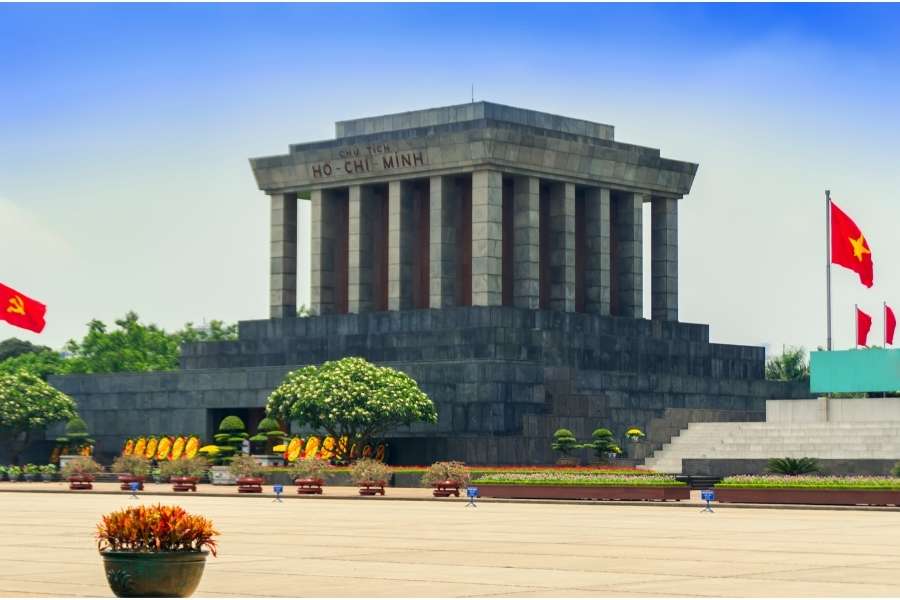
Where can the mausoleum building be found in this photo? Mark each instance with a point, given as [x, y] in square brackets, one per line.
[495, 254]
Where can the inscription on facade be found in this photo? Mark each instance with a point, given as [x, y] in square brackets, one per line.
[373, 158]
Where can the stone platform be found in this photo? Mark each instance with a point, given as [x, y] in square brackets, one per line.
[503, 379]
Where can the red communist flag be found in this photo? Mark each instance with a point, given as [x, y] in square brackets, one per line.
[890, 324]
[849, 247]
[20, 310]
[863, 325]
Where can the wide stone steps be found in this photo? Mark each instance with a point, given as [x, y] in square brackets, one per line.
[761, 440]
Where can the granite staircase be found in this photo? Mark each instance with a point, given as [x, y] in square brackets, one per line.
[763, 440]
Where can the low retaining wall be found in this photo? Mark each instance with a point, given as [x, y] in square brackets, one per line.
[809, 496]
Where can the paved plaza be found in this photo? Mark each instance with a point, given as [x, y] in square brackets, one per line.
[322, 547]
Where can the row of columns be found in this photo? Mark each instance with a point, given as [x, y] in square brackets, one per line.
[609, 276]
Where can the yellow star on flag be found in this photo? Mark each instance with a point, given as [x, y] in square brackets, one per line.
[859, 247]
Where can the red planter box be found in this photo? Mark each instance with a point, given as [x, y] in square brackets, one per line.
[370, 488]
[808, 496]
[583, 492]
[81, 482]
[444, 489]
[250, 485]
[127, 480]
[309, 485]
[184, 484]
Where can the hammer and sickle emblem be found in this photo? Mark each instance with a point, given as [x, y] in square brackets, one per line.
[16, 306]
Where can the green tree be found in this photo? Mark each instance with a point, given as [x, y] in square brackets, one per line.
[350, 399]
[42, 363]
[12, 347]
[791, 365]
[216, 331]
[29, 404]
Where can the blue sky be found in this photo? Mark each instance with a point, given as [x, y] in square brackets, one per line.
[124, 181]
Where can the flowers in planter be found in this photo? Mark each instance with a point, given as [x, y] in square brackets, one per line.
[156, 528]
[452, 471]
[367, 470]
[860, 482]
[184, 467]
[586, 478]
[131, 464]
[310, 468]
[80, 467]
[634, 434]
[245, 466]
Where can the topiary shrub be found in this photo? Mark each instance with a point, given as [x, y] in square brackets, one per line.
[131, 464]
[77, 437]
[793, 466]
[232, 423]
[602, 443]
[564, 442]
[267, 424]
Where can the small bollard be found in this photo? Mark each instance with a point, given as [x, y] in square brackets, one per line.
[471, 494]
[278, 489]
[709, 496]
[134, 485]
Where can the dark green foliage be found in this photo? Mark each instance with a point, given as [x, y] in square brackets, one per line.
[564, 442]
[896, 470]
[12, 347]
[231, 423]
[259, 437]
[602, 442]
[267, 424]
[76, 426]
[793, 466]
[790, 366]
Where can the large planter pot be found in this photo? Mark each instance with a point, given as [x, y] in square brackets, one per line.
[250, 485]
[184, 484]
[153, 574]
[584, 492]
[127, 480]
[81, 482]
[31, 476]
[567, 461]
[309, 485]
[67, 458]
[220, 475]
[808, 496]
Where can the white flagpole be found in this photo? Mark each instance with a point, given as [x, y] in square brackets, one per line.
[884, 322]
[828, 262]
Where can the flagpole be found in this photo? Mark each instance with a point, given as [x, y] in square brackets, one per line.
[884, 322]
[856, 326]
[828, 262]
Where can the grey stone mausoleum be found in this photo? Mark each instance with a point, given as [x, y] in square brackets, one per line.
[493, 253]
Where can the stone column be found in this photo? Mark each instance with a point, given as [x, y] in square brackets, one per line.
[597, 259]
[442, 242]
[283, 257]
[664, 259]
[400, 296]
[361, 252]
[629, 211]
[487, 238]
[562, 247]
[526, 245]
[321, 255]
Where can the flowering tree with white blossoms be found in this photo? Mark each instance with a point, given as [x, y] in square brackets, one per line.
[28, 404]
[352, 400]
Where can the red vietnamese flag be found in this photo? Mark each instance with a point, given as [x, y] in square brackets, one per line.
[849, 247]
[863, 325]
[890, 325]
[20, 310]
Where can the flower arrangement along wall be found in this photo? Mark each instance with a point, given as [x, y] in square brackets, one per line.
[326, 448]
[162, 448]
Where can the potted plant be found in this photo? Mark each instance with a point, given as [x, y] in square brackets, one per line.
[370, 475]
[13, 472]
[3, 476]
[154, 550]
[603, 445]
[31, 472]
[184, 473]
[156, 474]
[131, 469]
[247, 473]
[80, 471]
[49, 472]
[76, 442]
[446, 478]
[309, 475]
[564, 442]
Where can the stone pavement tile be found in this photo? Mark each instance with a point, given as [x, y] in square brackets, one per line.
[756, 588]
[862, 574]
[15, 586]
